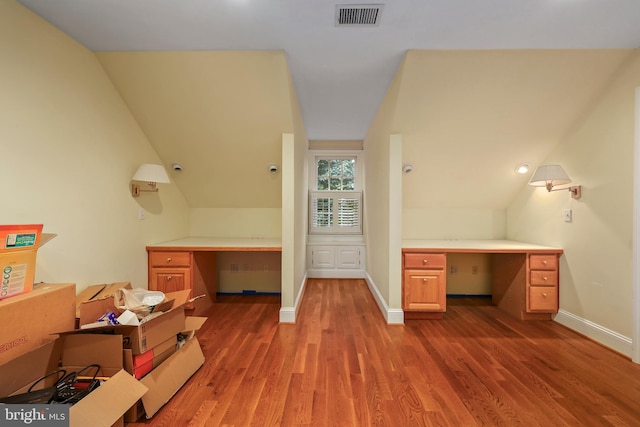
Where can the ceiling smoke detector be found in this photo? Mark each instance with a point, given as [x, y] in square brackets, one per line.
[358, 15]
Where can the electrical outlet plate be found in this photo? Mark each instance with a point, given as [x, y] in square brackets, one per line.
[568, 215]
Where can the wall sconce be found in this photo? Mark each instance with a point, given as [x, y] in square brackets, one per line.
[549, 176]
[407, 168]
[151, 174]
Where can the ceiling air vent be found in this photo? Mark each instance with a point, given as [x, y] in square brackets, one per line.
[358, 15]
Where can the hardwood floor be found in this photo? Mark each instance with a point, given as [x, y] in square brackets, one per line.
[342, 365]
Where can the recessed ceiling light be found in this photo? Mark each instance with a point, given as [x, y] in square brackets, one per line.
[523, 168]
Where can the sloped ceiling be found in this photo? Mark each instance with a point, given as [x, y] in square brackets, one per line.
[220, 115]
[210, 84]
[468, 118]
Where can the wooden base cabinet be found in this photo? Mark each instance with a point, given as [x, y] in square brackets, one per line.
[542, 284]
[424, 285]
[169, 271]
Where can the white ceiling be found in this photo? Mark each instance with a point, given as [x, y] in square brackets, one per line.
[342, 74]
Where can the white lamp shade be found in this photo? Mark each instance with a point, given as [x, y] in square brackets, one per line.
[549, 176]
[151, 173]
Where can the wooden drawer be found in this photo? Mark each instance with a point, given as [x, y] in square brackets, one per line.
[543, 262]
[544, 278]
[428, 261]
[543, 299]
[170, 259]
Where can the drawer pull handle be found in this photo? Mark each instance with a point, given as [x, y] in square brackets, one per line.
[544, 261]
[168, 259]
[169, 277]
[424, 261]
[544, 294]
[544, 278]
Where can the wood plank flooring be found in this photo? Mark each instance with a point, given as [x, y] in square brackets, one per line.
[342, 365]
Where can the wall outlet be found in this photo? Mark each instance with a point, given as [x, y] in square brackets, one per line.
[568, 215]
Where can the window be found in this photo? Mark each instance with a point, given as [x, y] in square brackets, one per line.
[334, 203]
[336, 174]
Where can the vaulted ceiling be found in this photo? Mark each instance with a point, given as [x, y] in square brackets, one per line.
[341, 73]
[211, 82]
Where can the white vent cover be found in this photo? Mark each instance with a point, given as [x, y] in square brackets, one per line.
[358, 15]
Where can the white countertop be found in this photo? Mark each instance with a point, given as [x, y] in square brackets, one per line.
[476, 245]
[221, 242]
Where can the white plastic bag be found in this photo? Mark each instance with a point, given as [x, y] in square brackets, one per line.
[140, 301]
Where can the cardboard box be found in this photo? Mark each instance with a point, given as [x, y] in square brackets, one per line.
[18, 247]
[95, 293]
[165, 381]
[103, 407]
[29, 320]
[167, 378]
[141, 364]
[145, 336]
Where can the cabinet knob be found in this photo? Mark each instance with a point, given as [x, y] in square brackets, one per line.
[169, 277]
[544, 294]
[544, 278]
[424, 279]
[544, 261]
[424, 261]
[169, 259]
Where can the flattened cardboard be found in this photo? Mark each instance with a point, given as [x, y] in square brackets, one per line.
[192, 325]
[29, 320]
[165, 380]
[108, 403]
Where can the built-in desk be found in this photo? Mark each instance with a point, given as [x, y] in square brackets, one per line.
[190, 263]
[525, 276]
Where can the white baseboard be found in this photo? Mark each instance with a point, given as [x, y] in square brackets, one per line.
[290, 314]
[598, 333]
[393, 316]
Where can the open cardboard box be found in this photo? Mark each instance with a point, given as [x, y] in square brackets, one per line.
[165, 380]
[147, 335]
[95, 293]
[103, 407]
[29, 320]
[170, 370]
[19, 245]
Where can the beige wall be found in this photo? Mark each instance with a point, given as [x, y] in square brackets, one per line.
[300, 207]
[469, 117]
[236, 222]
[377, 199]
[69, 149]
[220, 114]
[596, 270]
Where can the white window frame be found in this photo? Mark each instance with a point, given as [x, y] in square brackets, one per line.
[335, 195]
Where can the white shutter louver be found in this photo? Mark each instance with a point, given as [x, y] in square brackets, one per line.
[335, 212]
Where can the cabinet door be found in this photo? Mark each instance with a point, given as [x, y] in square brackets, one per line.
[348, 257]
[323, 257]
[170, 279]
[425, 290]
